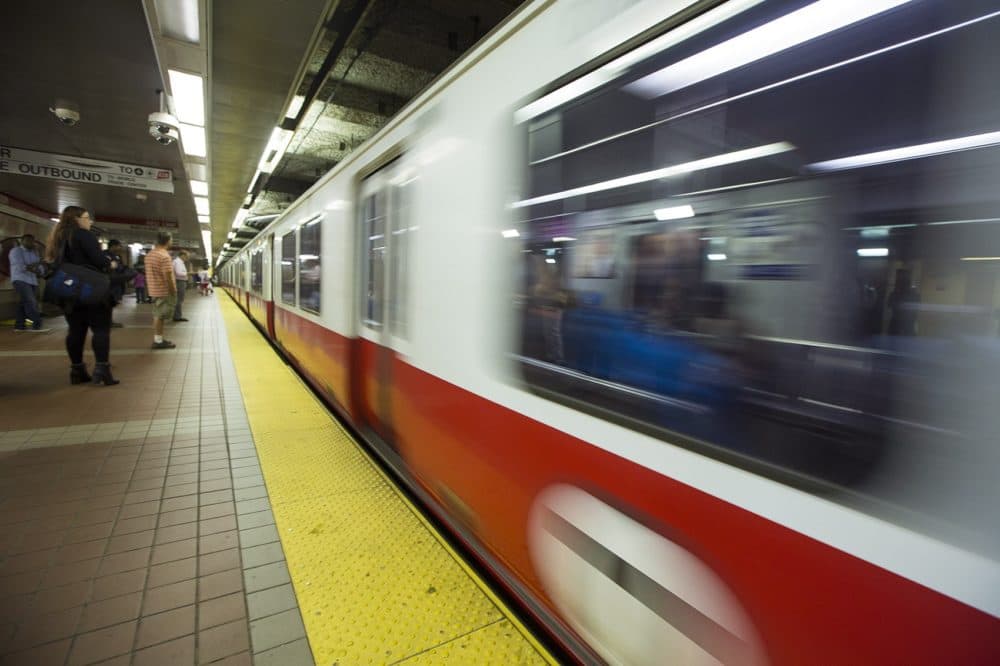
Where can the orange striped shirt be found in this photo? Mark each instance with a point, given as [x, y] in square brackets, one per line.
[159, 273]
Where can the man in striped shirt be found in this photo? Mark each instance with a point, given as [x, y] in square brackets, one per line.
[161, 287]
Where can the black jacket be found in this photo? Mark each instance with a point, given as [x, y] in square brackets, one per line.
[84, 250]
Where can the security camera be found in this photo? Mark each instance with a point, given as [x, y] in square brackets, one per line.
[163, 128]
[65, 112]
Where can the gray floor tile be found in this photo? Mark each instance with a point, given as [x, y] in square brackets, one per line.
[266, 576]
[270, 632]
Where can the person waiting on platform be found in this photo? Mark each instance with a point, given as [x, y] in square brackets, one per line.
[72, 242]
[24, 264]
[161, 286]
[119, 275]
[140, 285]
[205, 282]
[181, 278]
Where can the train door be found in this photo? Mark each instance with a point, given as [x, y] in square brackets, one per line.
[382, 299]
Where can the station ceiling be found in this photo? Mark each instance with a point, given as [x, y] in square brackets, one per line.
[348, 64]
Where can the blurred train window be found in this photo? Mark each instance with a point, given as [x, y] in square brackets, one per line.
[257, 271]
[288, 265]
[400, 255]
[373, 228]
[310, 269]
[787, 258]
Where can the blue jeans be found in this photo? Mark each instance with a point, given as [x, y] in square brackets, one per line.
[27, 305]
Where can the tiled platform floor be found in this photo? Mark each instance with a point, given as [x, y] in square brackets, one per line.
[134, 523]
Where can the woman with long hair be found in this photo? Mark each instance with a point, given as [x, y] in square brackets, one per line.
[72, 241]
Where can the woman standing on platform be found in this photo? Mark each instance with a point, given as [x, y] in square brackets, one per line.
[72, 242]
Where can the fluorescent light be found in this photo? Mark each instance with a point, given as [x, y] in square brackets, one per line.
[204, 219]
[510, 233]
[253, 181]
[666, 172]
[873, 252]
[909, 152]
[231, 235]
[275, 149]
[54, 219]
[978, 221]
[199, 187]
[193, 139]
[201, 205]
[563, 239]
[674, 213]
[717, 256]
[550, 261]
[189, 97]
[589, 82]
[179, 19]
[206, 240]
[295, 106]
[980, 258]
[781, 34]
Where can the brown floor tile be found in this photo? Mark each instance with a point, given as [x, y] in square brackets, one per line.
[59, 598]
[141, 509]
[158, 472]
[219, 541]
[95, 516]
[26, 562]
[218, 510]
[89, 533]
[177, 503]
[178, 517]
[215, 497]
[19, 584]
[111, 611]
[101, 502]
[133, 559]
[109, 489]
[185, 468]
[102, 644]
[180, 490]
[221, 610]
[167, 597]
[223, 641]
[178, 479]
[176, 533]
[219, 584]
[14, 608]
[80, 551]
[172, 572]
[162, 627]
[137, 524]
[128, 542]
[214, 464]
[145, 484]
[179, 652]
[64, 574]
[45, 628]
[118, 584]
[50, 524]
[50, 654]
[222, 560]
[176, 550]
[241, 659]
[142, 496]
[214, 525]
[32, 543]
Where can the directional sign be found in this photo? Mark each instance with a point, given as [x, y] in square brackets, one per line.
[84, 170]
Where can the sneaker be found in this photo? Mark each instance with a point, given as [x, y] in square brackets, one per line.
[166, 344]
[37, 330]
[179, 319]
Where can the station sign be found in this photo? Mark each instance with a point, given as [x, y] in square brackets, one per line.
[84, 170]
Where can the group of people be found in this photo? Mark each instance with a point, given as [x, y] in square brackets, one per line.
[163, 280]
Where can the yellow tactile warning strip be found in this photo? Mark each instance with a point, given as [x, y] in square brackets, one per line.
[374, 582]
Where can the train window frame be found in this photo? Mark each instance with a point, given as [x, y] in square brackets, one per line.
[372, 305]
[314, 222]
[566, 389]
[257, 271]
[292, 259]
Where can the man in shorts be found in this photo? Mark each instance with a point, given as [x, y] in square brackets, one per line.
[161, 287]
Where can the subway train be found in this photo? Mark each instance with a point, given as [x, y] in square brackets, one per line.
[683, 318]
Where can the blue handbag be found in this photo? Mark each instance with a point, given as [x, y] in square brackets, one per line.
[73, 284]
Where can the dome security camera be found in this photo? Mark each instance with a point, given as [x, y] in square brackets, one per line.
[163, 128]
[65, 112]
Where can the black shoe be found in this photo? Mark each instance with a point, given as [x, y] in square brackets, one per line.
[166, 344]
[102, 375]
[78, 374]
[179, 319]
[116, 324]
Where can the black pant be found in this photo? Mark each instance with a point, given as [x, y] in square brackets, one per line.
[98, 319]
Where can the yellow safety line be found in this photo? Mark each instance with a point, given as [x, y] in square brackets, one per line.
[327, 508]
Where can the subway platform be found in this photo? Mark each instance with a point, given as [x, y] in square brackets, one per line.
[209, 510]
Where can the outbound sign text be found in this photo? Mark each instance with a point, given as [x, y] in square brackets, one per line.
[84, 170]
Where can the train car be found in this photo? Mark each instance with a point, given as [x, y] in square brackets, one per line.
[682, 316]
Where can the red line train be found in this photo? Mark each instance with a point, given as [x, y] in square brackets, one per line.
[683, 317]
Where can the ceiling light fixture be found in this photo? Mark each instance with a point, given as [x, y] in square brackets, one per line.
[674, 213]
[179, 19]
[193, 139]
[204, 219]
[275, 149]
[913, 152]
[873, 252]
[666, 172]
[800, 26]
[510, 233]
[201, 205]
[189, 97]
[199, 188]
